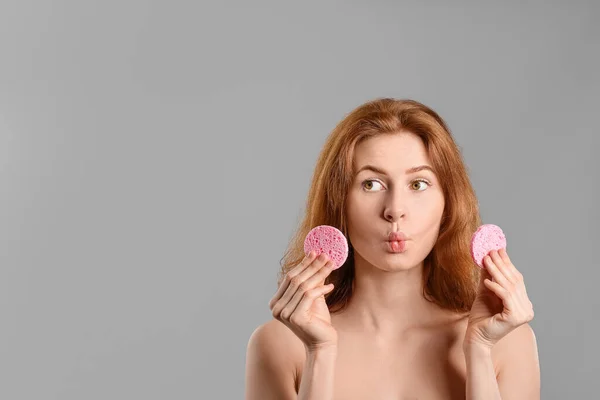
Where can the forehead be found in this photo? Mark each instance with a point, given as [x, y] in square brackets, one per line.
[395, 152]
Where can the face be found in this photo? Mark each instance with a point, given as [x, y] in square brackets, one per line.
[391, 197]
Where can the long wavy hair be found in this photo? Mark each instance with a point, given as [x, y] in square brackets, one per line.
[450, 276]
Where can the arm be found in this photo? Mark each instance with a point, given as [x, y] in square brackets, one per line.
[318, 375]
[518, 374]
[270, 366]
[481, 376]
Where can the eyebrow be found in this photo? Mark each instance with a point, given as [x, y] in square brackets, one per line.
[382, 172]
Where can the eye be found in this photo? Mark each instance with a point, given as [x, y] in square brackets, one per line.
[416, 184]
[369, 183]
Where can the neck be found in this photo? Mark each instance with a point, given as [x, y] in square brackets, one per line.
[385, 302]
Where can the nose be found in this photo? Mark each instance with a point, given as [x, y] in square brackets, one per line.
[395, 209]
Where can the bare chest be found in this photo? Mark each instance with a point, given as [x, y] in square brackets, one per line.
[416, 369]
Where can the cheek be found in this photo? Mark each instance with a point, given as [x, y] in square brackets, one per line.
[360, 219]
[359, 223]
[428, 213]
[360, 211]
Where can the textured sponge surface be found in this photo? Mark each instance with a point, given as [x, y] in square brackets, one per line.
[486, 238]
[330, 240]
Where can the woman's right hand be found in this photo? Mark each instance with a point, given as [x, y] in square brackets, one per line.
[300, 302]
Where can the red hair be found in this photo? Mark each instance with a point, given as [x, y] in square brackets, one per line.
[450, 275]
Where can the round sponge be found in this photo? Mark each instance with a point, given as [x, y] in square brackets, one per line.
[486, 238]
[330, 240]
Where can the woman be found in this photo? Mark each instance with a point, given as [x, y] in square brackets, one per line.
[408, 315]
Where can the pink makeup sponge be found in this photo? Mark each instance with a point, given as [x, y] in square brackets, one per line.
[330, 240]
[486, 238]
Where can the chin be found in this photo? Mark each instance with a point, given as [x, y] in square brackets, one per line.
[390, 261]
[397, 265]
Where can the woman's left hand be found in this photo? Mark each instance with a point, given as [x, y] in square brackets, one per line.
[501, 304]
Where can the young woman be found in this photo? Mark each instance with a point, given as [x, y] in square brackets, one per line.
[409, 315]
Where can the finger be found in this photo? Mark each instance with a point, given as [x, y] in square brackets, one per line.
[308, 259]
[495, 272]
[319, 277]
[496, 288]
[298, 280]
[511, 267]
[504, 255]
[315, 267]
[502, 267]
[485, 274]
[309, 297]
[309, 284]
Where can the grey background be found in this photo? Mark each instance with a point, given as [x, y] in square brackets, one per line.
[155, 158]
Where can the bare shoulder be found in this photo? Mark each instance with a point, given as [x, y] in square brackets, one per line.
[273, 354]
[519, 345]
[273, 337]
[517, 364]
